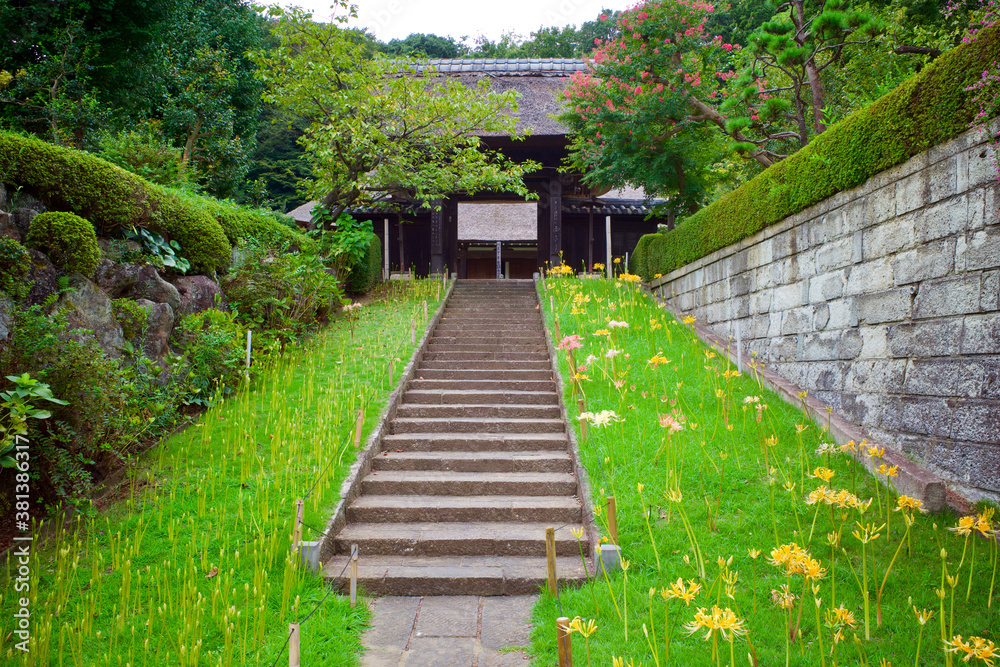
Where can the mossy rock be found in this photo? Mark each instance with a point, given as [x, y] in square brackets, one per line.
[68, 240]
[15, 262]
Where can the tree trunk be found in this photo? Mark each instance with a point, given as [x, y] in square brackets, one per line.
[816, 87]
[717, 118]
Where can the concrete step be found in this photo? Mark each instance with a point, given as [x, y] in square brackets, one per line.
[420, 384]
[475, 425]
[447, 483]
[486, 355]
[453, 575]
[473, 411]
[475, 442]
[492, 340]
[434, 346]
[408, 509]
[448, 364]
[461, 324]
[478, 397]
[499, 461]
[482, 374]
[457, 538]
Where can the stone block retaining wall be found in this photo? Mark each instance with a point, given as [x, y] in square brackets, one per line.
[884, 302]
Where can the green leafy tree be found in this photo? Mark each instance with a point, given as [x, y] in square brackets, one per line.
[424, 46]
[778, 100]
[382, 130]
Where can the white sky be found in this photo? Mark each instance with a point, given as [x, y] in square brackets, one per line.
[395, 19]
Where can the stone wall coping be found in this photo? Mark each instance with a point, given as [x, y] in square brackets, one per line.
[350, 488]
[914, 480]
[963, 142]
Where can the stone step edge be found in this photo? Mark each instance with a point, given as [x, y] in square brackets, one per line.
[350, 488]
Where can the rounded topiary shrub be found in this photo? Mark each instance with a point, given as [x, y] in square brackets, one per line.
[68, 240]
[15, 262]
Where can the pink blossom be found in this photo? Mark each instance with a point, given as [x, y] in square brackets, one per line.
[570, 343]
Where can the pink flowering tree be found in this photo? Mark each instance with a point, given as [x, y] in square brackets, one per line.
[646, 110]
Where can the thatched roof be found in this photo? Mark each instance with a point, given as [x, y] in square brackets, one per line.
[538, 82]
[303, 214]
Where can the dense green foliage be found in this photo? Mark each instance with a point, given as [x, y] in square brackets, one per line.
[68, 240]
[76, 71]
[213, 344]
[367, 273]
[280, 294]
[15, 262]
[927, 109]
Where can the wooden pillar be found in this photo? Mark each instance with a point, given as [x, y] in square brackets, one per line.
[555, 220]
[399, 231]
[451, 234]
[437, 236]
[590, 239]
[607, 229]
[385, 248]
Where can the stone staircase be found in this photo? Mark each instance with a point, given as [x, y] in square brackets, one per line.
[476, 464]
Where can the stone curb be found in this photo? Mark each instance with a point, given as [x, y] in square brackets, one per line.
[583, 479]
[914, 480]
[350, 489]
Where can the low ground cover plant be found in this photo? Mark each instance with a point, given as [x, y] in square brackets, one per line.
[190, 562]
[748, 536]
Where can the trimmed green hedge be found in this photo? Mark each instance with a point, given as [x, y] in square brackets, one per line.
[271, 229]
[365, 275]
[111, 198]
[928, 109]
[68, 240]
[114, 199]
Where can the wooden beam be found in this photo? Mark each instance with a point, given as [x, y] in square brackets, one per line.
[555, 220]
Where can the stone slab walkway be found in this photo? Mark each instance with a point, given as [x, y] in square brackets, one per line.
[447, 630]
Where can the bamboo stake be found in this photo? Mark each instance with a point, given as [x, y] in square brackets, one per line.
[613, 520]
[249, 338]
[550, 557]
[354, 575]
[563, 640]
[297, 528]
[293, 645]
[358, 427]
[583, 422]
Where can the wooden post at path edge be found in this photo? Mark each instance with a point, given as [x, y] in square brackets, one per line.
[613, 520]
[354, 575]
[293, 645]
[550, 558]
[582, 407]
[357, 428]
[563, 641]
[297, 528]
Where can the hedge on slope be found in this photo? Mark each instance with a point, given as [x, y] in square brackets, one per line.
[927, 109]
[111, 198]
[68, 240]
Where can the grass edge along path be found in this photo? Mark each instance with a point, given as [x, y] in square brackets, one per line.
[192, 565]
[741, 533]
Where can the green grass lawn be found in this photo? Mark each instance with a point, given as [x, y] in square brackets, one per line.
[191, 565]
[711, 474]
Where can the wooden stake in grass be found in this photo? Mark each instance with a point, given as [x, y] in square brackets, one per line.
[425, 310]
[358, 427]
[550, 558]
[297, 528]
[413, 332]
[249, 338]
[583, 422]
[354, 575]
[563, 641]
[293, 645]
[613, 520]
